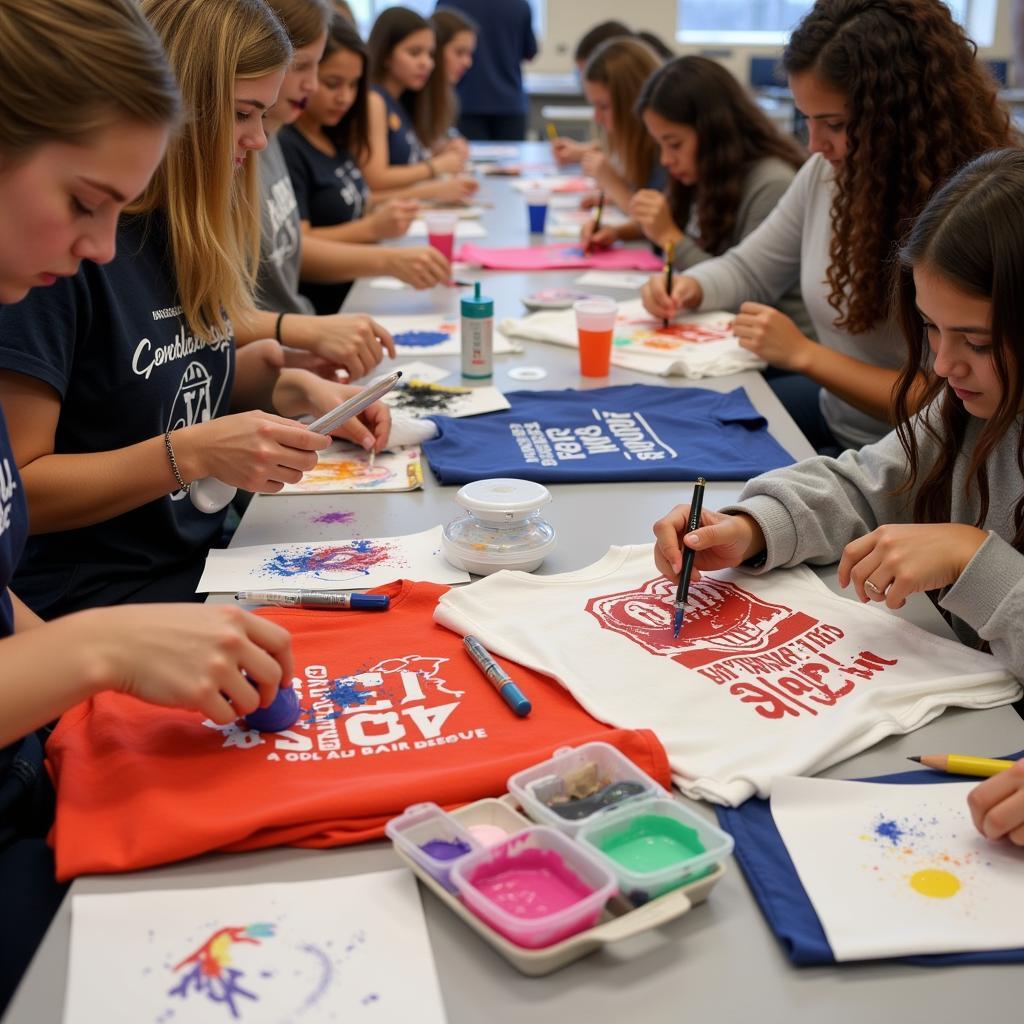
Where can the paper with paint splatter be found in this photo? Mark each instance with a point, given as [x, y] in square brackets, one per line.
[427, 334]
[345, 469]
[356, 564]
[419, 399]
[899, 870]
[317, 952]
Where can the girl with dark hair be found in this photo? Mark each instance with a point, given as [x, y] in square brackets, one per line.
[456, 42]
[895, 102]
[333, 207]
[401, 51]
[938, 504]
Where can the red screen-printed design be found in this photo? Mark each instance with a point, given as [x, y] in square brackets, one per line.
[771, 656]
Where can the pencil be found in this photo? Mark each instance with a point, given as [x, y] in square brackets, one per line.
[552, 133]
[670, 253]
[597, 221]
[683, 589]
[964, 764]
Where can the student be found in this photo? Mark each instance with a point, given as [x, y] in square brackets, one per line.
[66, 170]
[728, 167]
[355, 344]
[456, 39]
[895, 102]
[315, 198]
[118, 392]
[612, 82]
[401, 49]
[938, 504]
[997, 805]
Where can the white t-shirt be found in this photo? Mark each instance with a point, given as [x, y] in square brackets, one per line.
[771, 675]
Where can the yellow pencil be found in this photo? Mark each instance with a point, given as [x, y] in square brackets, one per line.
[552, 132]
[964, 764]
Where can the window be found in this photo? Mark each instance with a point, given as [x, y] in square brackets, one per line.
[768, 22]
[366, 10]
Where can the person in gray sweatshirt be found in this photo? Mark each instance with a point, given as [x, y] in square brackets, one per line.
[895, 103]
[938, 504]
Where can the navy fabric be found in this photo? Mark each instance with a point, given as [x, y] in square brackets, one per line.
[493, 127]
[801, 398]
[113, 343]
[13, 525]
[631, 432]
[494, 84]
[776, 886]
[404, 146]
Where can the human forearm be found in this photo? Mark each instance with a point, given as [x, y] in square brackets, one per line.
[326, 262]
[381, 175]
[24, 617]
[361, 230]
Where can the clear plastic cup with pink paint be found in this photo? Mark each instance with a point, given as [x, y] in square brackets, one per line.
[432, 838]
[441, 231]
[535, 888]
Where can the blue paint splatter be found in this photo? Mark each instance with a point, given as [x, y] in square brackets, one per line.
[889, 830]
[421, 339]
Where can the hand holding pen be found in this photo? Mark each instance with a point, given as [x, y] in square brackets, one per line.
[670, 253]
[599, 211]
[683, 587]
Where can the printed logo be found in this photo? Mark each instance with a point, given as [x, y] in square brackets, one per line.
[284, 229]
[8, 485]
[351, 188]
[771, 656]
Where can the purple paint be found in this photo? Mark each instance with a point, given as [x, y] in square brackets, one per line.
[421, 339]
[356, 557]
[334, 518]
[444, 849]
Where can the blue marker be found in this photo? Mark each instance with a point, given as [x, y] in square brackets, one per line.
[317, 599]
[498, 677]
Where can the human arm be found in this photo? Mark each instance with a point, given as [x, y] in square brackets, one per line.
[324, 262]
[176, 655]
[649, 209]
[570, 151]
[605, 237]
[720, 542]
[997, 805]
[597, 165]
[388, 219]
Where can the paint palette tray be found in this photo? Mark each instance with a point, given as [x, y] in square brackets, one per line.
[619, 920]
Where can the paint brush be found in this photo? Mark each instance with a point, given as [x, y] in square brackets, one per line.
[964, 764]
[670, 253]
[683, 588]
[552, 132]
[597, 222]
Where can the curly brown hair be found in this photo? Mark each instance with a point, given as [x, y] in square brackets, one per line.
[972, 234]
[732, 135]
[918, 107]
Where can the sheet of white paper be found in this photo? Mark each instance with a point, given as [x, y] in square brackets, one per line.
[392, 284]
[561, 184]
[613, 279]
[345, 469]
[354, 564]
[492, 151]
[429, 334]
[463, 212]
[427, 372]
[438, 400]
[610, 216]
[899, 870]
[339, 949]
[463, 229]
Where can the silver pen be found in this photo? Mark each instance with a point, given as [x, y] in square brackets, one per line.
[317, 599]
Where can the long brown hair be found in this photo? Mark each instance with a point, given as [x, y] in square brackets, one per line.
[441, 105]
[972, 234]
[918, 107]
[304, 20]
[622, 66]
[732, 135]
[351, 134]
[392, 26]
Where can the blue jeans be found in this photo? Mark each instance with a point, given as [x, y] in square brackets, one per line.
[800, 396]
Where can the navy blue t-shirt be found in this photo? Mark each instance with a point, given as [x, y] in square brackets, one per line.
[329, 190]
[630, 432]
[113, 343]
[404, 146]
[494, 84]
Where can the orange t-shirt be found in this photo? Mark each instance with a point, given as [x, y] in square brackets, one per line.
[394, 713]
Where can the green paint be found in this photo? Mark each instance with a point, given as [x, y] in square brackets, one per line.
[620, 342]
[651, 843]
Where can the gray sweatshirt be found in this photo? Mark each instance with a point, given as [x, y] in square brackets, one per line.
[790, 247]
[809, 512]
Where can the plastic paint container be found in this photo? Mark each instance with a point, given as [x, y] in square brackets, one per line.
[502, 527]
[543, 786]
[432, 838]
[282, 712]
[655, 845]
[536, 888]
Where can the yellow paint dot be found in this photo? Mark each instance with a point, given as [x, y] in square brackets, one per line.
[936, 884]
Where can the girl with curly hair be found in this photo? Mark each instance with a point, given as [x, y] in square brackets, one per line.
[895, 102]
[728, 166]
[937, 505]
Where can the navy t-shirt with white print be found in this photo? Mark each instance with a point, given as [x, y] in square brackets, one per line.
[114, 345]
[404, 145]
[630, 432]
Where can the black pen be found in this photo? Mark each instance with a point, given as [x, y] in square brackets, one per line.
[683, 589]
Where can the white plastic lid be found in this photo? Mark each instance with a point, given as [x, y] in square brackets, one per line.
[503, 499]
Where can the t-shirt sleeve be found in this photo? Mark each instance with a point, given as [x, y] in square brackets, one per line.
[38, 334]
[300, 172]
[736, 407]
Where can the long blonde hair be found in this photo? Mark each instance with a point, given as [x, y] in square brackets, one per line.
[72, 67]
[211, 208]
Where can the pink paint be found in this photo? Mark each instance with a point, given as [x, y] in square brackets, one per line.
[530, 884]
[487, 835]
[557, 257]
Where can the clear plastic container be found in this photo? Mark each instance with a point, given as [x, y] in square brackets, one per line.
[550, 784]
[432, 838]
[536, 888]
[655, 845]
[502, 527]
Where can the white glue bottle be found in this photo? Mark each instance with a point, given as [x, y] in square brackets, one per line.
[477, 336]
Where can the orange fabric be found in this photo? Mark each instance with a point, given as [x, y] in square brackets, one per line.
[139, 785]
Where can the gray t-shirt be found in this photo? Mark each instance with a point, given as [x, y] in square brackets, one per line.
[809, 512]
[277, 284]
[792, 246]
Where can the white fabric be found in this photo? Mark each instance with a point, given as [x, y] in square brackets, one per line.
[771, 675]
[641, 343]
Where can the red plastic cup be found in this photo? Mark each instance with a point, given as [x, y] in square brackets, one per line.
[595, 323]
[441, 231]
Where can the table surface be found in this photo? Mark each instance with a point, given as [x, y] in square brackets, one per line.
[718, 962]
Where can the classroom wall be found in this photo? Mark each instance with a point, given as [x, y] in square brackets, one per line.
[567, 20]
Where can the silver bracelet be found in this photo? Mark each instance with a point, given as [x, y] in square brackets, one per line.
[174, 464]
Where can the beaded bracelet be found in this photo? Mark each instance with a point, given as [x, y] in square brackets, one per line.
[174, 464]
